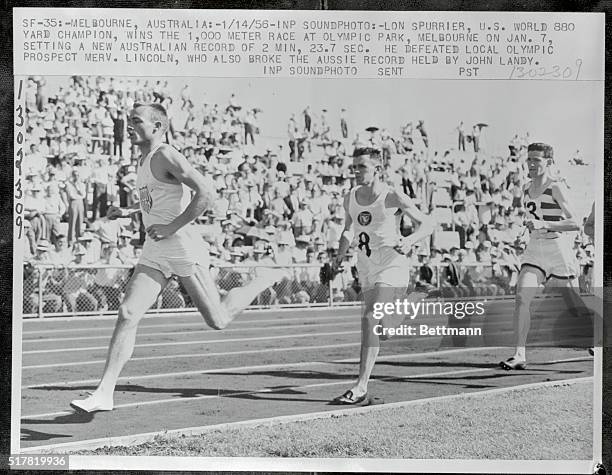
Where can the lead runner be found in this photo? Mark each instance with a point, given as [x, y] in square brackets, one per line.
[371, 210]
[164, 180]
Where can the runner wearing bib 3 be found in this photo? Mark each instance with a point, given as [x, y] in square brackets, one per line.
[548, 258]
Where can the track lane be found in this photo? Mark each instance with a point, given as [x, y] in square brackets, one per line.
[236, 395]
[279, 382]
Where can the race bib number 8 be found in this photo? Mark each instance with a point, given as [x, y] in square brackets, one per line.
[364, 243]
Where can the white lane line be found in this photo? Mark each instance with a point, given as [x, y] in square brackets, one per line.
[191, 332]
[194, 342]
[136, 439]
[192, 312]
[196, 355]
[242, 320]
[269, 366]
[271, 390]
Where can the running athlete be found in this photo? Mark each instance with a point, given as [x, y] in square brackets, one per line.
[166, 182]
[373, 211]
[548, 259]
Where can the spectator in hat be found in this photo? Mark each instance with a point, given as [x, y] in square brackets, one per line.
[292, 201]
[61, 254]
[125, 252]
[307, 119]
[90, 246]
[302, 220]
[476, 138]
[277, 206]
[136, 247]
[96, 117]
[334, 230]
[42, 252]
[99, 181]
[316, 230]
[106, 230]
[461, 136]
[470, 255]
[248, 121]
[253, 198]
[485, 209]
[483, 253]
[221, 205]
[285, 233]
[36, 162]
[118, 132]
[75, 285]
[301, 246]
[283, 252]
[32, 205]
[129, 184]
[53, 209]
[122, 189]
[76, 193]
[108, 126]
[294, 136]
[324, 127]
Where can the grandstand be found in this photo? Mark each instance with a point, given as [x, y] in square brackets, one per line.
[279, 191]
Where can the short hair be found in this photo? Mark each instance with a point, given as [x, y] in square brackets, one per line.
[546, 149]
[157, 113]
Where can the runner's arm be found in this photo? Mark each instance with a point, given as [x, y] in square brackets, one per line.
[426, 223]
[180, 169]
[347, 234]
[568, 224]
[114, 212]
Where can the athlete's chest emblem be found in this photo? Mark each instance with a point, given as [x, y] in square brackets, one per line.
[364, 218]
[146, 202]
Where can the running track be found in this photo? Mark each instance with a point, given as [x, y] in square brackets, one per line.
[266, 364]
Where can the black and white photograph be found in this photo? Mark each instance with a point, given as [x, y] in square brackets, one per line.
[356, 273]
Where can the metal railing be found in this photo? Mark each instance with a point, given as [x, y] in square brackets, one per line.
[98, 290]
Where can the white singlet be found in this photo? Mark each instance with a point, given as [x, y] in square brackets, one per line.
[551, 252]
[377, 233]
[161, 203]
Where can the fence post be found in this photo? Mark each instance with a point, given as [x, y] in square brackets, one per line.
[40, 293]
[438, 275]
[331, 294]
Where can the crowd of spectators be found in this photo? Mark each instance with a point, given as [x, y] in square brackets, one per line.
[276, 198]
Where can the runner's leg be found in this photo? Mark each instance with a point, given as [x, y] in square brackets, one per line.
[370, 341]
[218, 314]
[142, 291]
[527, 287]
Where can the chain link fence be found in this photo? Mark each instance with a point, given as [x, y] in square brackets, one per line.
[98, 290]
